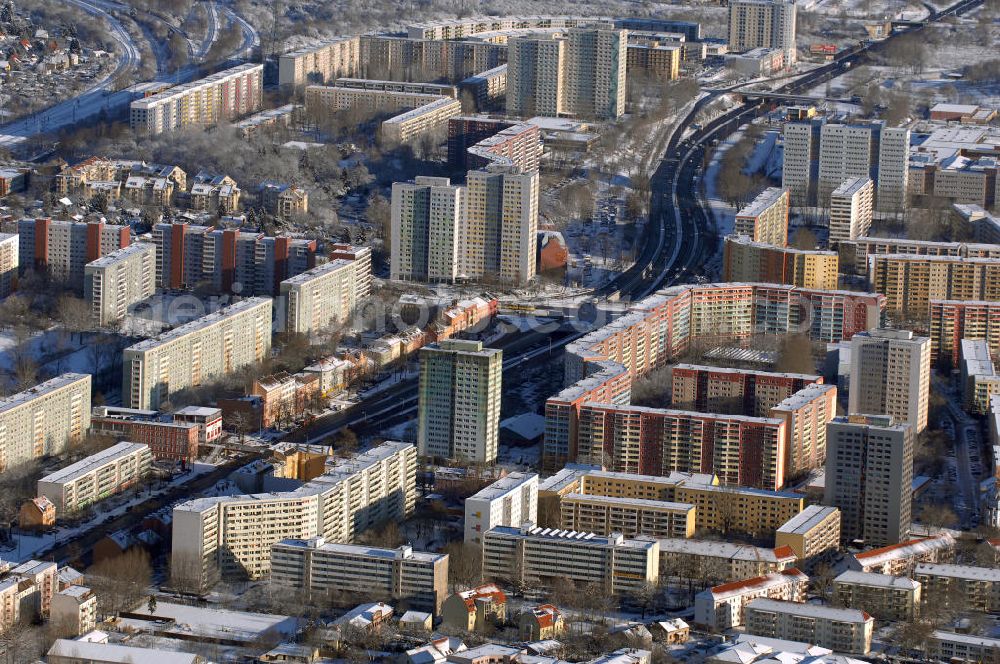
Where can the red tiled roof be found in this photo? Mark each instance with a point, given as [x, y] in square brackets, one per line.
[891, 547]
[489, 591]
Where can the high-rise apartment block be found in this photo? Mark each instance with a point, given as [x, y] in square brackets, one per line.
[891, 375]
[475, 142]
[501, 225]
[197, 352]
[765, 219]
[911, 282]
[418, 578]
[114, 282]
[769, 23]
[45, 419]
[747, 261]
[851, 207]
[800, 160]
[321, 63]
[233, 535]
[819, 157]
[741, 450]
[510, 501]
[579, 71]
[9, 262]
[228, 260]
[954, 320]
[458, 414]
[96, 477]
[528, 554]
[225, 95]
[427, 220]
[869, 472]
[329, 293]
[893, 169]
[62, 248]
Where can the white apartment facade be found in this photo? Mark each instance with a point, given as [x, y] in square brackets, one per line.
[232, 536]
[224, 95]
[530, 554]
[114, 282]
[458, 411]
[893, 168]
[45, 419]
[204, 349]
[96, 477]
[324, 62]
[510, 501]
[317, 566]
[846, 152]
[327, 294]
[851, 206]
[891, 375]
[427, 221]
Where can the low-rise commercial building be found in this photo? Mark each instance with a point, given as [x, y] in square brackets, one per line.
[889, 598]
[97, 477]
[197, 352]
[114, 282]
[318, 566]
[45, 419]
[510, 501]
[812, 534]
[842, 630]
[167, 439]
[532, 554]
[722, 607]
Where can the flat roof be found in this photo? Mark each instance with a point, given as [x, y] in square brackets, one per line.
[57, 383]
[201, 323]
[571, 536]
[318, 272]
[185, 88]
[112, 652]
[634, 502]
[728, 550]
[807, 519]
[318, 544]
[958, 571]
[851, 187]
[809, 610]
[93, 462]
[504, 485]
[881, 580]
[762, 202]
[123, 254]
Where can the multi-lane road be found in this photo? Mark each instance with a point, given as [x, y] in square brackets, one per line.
[101, 97]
